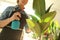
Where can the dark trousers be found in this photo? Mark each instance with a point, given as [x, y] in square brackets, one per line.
[10, 34]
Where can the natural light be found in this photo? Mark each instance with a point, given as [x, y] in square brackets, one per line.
[29, 10]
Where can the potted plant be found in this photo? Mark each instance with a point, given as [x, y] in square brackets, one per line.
[42, 23]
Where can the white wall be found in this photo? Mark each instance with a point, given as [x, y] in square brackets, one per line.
[56, 7]
[29, 9]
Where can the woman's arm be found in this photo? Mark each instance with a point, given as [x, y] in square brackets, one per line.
[5, 22]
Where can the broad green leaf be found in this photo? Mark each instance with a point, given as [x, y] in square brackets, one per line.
[49, 8]
[52, 24]
[34, 26]
[49, 16]
[37, 29]
[53, 27]
[46, 31]
[57, 24]
[39, 7]
[34, 18]
[44, 26]
[30, 23]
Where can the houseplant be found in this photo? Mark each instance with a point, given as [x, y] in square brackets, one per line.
[39, 26]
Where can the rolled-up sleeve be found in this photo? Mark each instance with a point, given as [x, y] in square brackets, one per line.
[5, 13]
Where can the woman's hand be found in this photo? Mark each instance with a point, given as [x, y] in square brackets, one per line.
[16, 16]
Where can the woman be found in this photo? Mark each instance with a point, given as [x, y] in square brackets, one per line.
[7, 33]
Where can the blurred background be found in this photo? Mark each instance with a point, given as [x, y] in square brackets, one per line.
[28, 7]
[29, 10]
